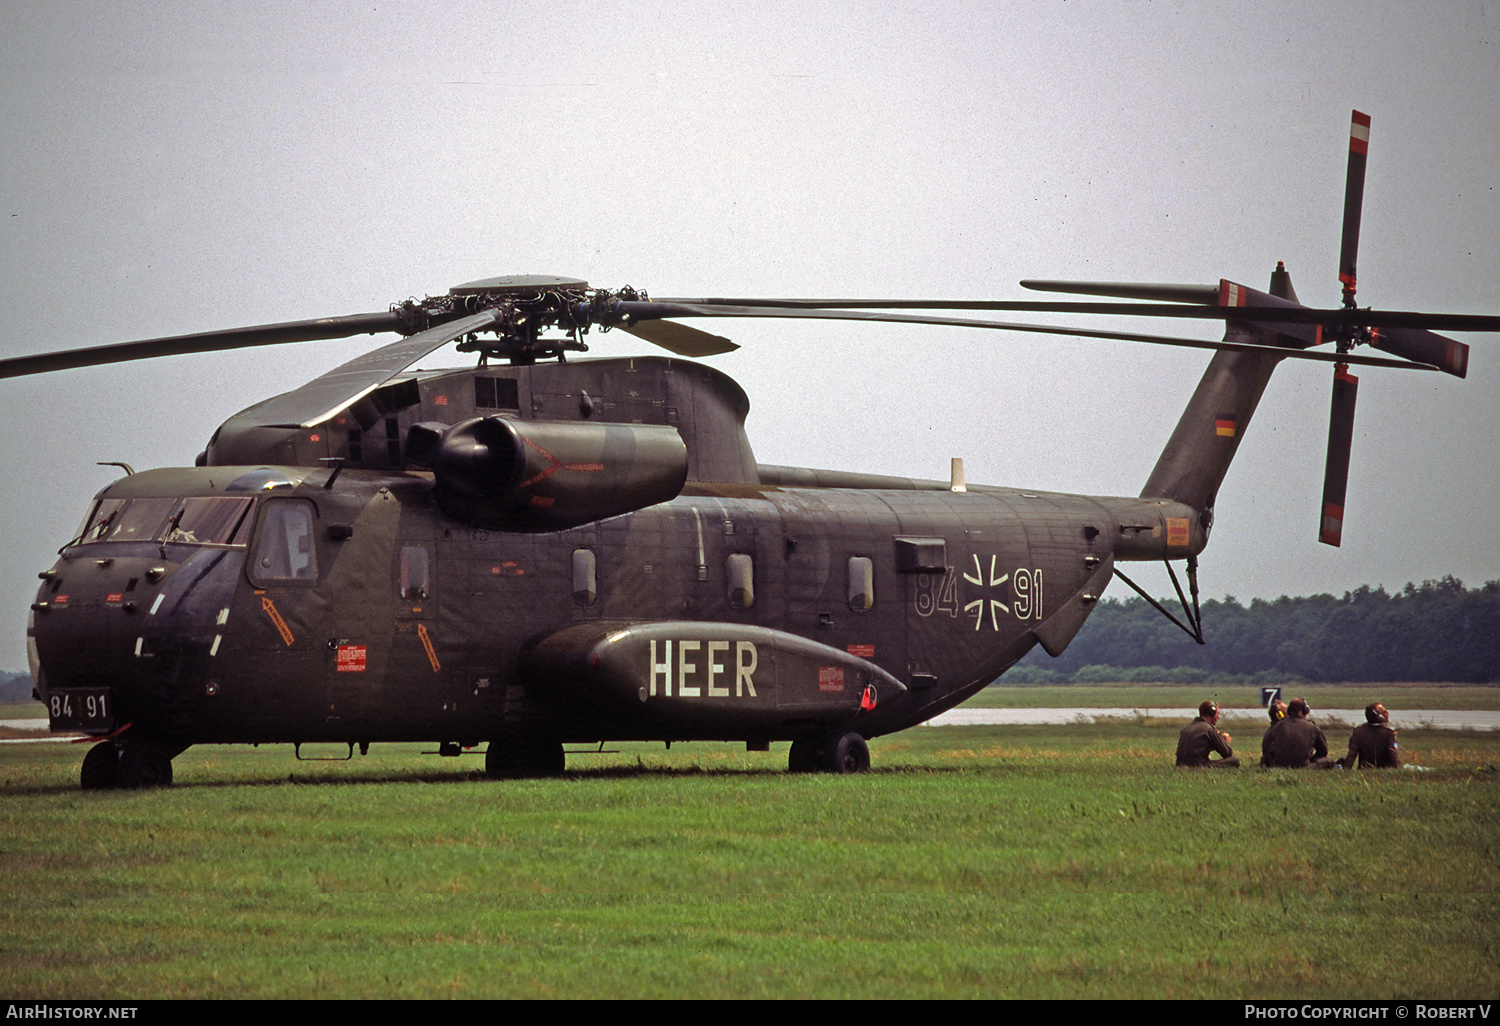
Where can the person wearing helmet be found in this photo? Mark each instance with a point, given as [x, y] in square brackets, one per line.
[1295, 742]
[1201, 738]
[1277, 712]
[1373, 744]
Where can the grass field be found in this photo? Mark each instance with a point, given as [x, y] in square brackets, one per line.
[1243, 696]
[973, 862]
[1185, 696]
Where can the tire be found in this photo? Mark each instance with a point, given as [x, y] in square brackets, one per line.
[517, 760]
[547, 759]
[144, 764]
[849, 754]
[101, 767]
[803, 758]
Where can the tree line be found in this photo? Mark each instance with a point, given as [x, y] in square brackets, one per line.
[14, 687]
[1434, 631]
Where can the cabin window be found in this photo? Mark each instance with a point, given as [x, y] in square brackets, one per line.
[861, 583]
[739, 573]
[496, 393]
[416, 574]
[585, 582]
[284, 548]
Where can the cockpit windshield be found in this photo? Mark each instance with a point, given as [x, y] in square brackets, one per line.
[200, 520]
[217, 520]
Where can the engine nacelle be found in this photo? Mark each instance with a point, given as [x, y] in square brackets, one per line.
[538, 475]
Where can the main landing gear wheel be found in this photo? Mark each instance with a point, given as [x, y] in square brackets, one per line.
[100, 767]
[849, 754]
[837, 753]
[143, 764]
[803, 757]
[513, 760]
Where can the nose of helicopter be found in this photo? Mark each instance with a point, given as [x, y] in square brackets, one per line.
[118, 636]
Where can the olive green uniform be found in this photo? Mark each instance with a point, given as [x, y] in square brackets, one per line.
[1294, 743]
[1372, 745]
[1197, 740]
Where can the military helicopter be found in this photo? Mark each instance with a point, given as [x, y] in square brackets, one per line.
[537, 552]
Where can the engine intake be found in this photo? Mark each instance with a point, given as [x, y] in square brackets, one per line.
[539, 475]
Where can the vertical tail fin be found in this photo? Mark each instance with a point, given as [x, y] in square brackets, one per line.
[1197, 456]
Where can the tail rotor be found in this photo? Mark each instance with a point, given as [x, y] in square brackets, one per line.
[1345, 385]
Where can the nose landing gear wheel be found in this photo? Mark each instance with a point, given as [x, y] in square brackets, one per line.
[100, 767]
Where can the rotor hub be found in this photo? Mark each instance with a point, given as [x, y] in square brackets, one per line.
[528, 304]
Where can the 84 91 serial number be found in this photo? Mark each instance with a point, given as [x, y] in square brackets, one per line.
[84, 709]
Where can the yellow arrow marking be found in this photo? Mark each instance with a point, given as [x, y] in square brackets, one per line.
[427, 644]
[281, 627]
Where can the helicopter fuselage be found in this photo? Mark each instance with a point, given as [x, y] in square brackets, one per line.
[288, 604]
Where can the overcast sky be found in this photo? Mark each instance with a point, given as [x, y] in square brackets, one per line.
[179, 168]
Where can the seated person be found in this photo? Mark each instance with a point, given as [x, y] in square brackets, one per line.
[1201, 737]
[1374, 743]
[1295, 742]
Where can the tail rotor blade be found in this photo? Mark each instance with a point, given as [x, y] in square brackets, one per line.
[1340, 441]
[1448, 355]
[1354, 197]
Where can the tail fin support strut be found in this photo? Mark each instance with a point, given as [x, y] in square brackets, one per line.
[1194, 615]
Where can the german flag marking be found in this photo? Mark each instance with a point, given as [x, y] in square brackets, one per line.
[1225, 425]
[1178, 533]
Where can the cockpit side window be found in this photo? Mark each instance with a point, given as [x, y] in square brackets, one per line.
[286, 547]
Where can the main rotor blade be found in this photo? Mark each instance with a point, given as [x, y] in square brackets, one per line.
[331, 393]
[1293, 313]
[680, 338]
[1354, 197]
[1130, 290]
[203, 342]
[1336, 469]
[643, 311]
[1208, 294]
